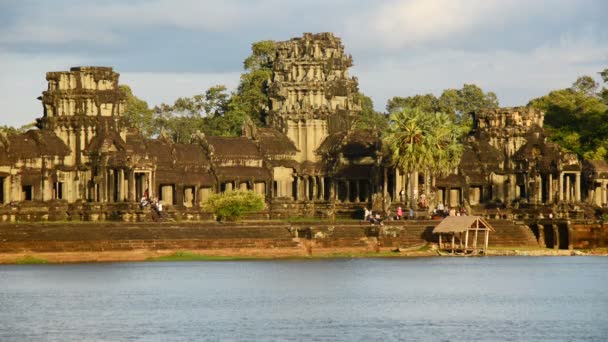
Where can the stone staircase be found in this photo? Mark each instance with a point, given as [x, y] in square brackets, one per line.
[511, 234]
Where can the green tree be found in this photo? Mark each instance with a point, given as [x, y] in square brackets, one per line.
[457, 103]
[585, 85]
[251, 97]
[577, 118]
[426, 102]
[604, 92]
[418, 140]
[369, 118]
[138, 114]
[232, 205]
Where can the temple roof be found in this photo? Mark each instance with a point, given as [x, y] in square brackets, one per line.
[275, 142]
[234, 147]
[35, 144]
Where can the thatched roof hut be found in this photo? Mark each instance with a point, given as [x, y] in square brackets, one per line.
[455, 226]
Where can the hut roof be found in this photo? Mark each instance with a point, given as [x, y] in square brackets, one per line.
[458, 224]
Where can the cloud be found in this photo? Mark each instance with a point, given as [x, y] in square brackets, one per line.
[102, 22]
[516, 77]
[413, 23]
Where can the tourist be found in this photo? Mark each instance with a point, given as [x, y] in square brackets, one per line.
[366, 214]
[452, 211]
[422, 200]
[378, 219]
[399, 213]
[440, 207]
[411, 214]
[402, 195]
[143, 202]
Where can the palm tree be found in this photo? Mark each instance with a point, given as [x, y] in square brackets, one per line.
[423, 141]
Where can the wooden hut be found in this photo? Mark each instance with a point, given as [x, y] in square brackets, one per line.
[463, 231]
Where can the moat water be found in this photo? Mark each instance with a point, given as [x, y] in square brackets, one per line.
[422, 299]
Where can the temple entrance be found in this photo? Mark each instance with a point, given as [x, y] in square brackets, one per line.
[27, 193]
[142, 185]
[2, 179]
[189, 196]
[58, 190]
[167, 192]
[475, 195]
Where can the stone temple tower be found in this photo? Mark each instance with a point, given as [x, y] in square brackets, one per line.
[80, 104]
[311, 92]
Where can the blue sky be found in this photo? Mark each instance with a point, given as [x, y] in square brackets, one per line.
[166, 49]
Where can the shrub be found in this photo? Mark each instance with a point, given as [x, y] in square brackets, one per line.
[231, 205]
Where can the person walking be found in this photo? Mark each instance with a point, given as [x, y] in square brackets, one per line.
[399, 213]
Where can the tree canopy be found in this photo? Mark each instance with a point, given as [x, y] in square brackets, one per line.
[457, 103]
[577, 117]
[419, 140]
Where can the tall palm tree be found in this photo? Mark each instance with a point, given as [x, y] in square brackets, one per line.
[423, 141]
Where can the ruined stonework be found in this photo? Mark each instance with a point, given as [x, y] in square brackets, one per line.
[84, 162]
[311, 92]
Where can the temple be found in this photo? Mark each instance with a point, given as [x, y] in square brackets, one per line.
[84, 162]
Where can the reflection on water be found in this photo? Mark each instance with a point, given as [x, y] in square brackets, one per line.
[449, 299]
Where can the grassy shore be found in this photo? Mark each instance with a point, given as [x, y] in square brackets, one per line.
[231, 255]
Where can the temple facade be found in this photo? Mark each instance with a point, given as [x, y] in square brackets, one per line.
[85, 162]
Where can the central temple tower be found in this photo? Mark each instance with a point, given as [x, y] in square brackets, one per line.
[311, 92]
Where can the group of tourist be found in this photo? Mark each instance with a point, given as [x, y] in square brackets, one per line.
[443, 211]
[376, 218]
[155, 203]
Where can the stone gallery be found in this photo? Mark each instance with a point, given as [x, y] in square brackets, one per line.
[84, 162]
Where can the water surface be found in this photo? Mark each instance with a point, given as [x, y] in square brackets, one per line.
[432, 299]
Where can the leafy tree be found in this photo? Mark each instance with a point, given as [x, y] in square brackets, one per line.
[138, 114]
[418, 140]
[16, 130]
[457, 103]
[427, 102]
[585, 85]
[577, 118]
[231, 205]
[368, 117]
[251, 97]
[604, 92]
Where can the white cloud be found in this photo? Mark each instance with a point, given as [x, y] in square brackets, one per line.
[516, 77]
[100, 22]
[410, 23]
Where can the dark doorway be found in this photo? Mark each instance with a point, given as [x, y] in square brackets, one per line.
[27, 192]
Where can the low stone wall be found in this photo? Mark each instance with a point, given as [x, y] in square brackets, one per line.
[271, 238]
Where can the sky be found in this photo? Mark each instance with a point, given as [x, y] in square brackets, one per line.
[165, 49]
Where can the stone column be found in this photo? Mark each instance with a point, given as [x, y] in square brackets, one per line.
[561, 186]
[604, 193]
[577, 189]
[541, 236]
[332, 189]
[132, 186]
[567, 187]
[121, 186]
[314, 188]
[555, 236]
[357, 191]
[306, 189]
[322, 188]
[550, 198]
[347, 187]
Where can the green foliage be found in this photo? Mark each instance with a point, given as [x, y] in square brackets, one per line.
[421, 140]
[231, 205]
[190, 256]
[369, 118]
[457, 103]
[577, 118]
[138, 114]
[31, 260]
[218, 112]
[16, 130]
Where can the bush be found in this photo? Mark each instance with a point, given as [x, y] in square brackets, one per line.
[231, 205]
